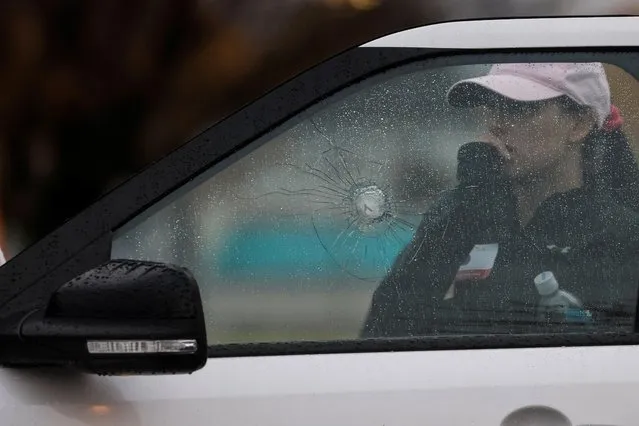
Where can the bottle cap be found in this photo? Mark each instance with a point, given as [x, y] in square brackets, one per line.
[546, 283]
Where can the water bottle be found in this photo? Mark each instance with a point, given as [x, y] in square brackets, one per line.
[557, 306]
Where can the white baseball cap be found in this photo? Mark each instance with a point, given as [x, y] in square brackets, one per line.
[584, 83]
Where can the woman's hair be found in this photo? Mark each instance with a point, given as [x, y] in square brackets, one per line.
[608, 161]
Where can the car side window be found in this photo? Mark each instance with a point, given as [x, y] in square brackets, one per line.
[321, 232]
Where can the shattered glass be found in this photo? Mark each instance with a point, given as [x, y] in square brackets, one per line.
[290, 240]
[353, 210]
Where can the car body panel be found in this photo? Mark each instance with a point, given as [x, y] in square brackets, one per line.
[591, 385]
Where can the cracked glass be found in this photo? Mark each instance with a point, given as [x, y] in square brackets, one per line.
[291, 241]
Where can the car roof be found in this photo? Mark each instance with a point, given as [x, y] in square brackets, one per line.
[520, 33]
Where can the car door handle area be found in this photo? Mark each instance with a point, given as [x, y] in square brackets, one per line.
[540, 415]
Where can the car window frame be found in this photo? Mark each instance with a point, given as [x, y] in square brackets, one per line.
[184, 167]
[85, 241]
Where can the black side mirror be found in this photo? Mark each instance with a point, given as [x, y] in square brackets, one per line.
[124, 317]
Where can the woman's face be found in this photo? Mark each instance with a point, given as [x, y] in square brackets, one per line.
[533, 136]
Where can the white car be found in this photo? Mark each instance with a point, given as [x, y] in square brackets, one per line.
[267, 314]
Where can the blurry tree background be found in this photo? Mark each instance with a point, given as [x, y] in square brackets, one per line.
[92, 91]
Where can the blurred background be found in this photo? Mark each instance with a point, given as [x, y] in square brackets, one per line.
[93, 91]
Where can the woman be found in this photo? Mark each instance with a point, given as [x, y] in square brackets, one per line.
[571, 181]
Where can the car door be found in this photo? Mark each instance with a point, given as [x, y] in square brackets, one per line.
[289, 214]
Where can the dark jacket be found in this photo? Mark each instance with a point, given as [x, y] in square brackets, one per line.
[585, 237]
